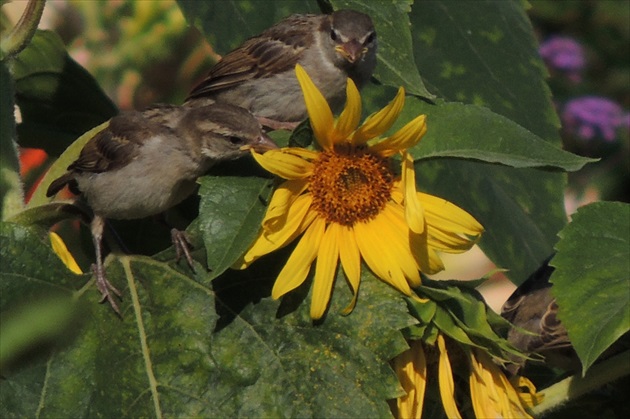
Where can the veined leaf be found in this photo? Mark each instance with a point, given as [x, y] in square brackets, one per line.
[592, 277]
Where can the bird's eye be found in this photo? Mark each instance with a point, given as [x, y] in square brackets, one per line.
[236, 140]
[333, 35]
[370, 38]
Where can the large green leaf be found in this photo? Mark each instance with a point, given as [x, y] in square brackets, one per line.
[476, 133]
[484, 53]
[58, 99]
[188, 346]
[38, 313]
[592, 278]
[11, 193]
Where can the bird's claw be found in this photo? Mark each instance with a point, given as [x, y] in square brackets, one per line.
[182, 247]
[106, 289]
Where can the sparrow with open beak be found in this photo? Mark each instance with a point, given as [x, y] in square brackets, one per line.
[260, 74]
[143, 163]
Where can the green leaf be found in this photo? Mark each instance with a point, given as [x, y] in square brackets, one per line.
[58, 99]
[485, 53]
[38, 313]
[46, 215]
[592, 276]
[230, 214]
[396, 66]
[475, 132]
[469, 315]
[188, 346]
[11, 193]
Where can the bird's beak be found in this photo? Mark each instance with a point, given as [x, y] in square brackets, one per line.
[352, 50]
[262, 144]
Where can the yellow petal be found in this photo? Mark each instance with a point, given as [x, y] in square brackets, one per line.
[448, 242]
[351, 263]
[299, 263]
[411, 369]
[426, 257]
[318, 110]
[479, 396]
[506, 398]
[280, 204]
[379, 122]
[445, 381]
[325, 269]
[377, 254]
[59, 247]
[414, 212]
[297, 220]
[351, 115]
[284, 164]
[406, 137]
[447, 216]
[396, 234]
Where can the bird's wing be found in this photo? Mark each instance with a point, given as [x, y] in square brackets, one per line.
[118, 144]
[274, 51]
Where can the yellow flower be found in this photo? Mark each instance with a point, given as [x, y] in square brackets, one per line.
[348, 205]
[491, 393]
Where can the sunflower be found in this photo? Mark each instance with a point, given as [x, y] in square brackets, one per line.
[491, 393]
[348, 204]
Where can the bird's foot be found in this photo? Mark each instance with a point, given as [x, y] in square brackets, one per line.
[182, 247]
[274, 125]
[106, 289]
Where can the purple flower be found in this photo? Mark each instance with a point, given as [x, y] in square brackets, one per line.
[594, 116]
[563, 54]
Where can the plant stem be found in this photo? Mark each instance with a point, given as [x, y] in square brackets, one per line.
[575, 386]
[21, 34]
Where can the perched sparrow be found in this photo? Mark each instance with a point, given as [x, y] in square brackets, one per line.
[260, 74]
[143, 163]
[532, 307]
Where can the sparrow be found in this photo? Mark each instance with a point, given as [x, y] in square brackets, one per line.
[260, 76]
[533, 308]
[145, 162]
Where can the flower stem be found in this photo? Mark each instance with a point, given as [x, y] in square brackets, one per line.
[21, 34]
[575, 386]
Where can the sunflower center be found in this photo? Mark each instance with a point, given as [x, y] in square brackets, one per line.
[350, 185]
